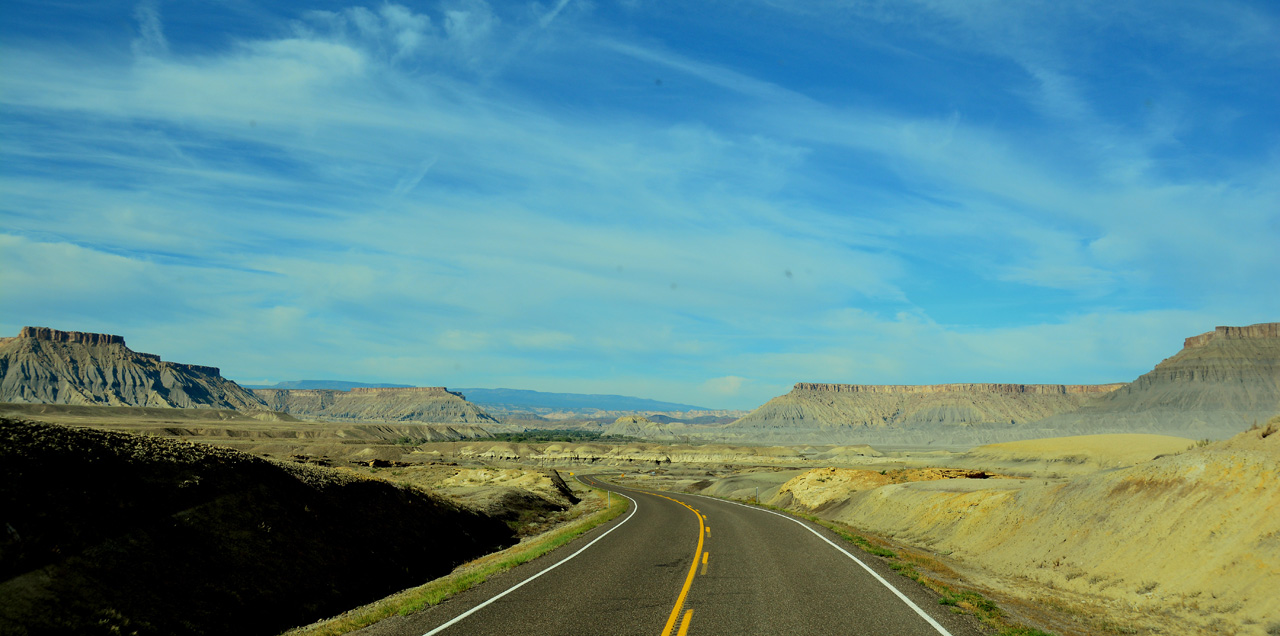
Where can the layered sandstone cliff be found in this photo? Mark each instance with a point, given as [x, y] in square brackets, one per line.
[47, 366]
[1219, 384]
[431, 404]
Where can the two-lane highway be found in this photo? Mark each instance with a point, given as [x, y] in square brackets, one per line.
[679, 564]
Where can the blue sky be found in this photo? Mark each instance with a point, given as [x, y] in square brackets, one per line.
[701, 205]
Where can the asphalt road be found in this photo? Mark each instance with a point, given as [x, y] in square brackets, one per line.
[663, 569]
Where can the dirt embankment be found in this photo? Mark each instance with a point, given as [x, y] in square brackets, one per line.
[115, 533]
[1187, 542]
[814, 490]
[1067, 456]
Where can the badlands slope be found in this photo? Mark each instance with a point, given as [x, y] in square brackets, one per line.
[641, 427]
[1220, 383]
[434, 405]
[1189, 541]
[1073, 455]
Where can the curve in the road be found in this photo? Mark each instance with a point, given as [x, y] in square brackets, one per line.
[903, 597]
[767, 579]
[693, 570]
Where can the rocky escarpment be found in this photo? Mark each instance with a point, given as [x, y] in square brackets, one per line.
[1260, 331]
[909, 414]
[1219, 384]
[47, 366]
[434, 405]
[112, 533]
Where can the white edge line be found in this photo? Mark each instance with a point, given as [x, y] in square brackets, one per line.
[941, 630]
[635, 507]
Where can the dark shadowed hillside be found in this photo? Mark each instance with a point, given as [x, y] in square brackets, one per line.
[111, 533]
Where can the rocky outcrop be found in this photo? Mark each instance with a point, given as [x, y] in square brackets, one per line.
[47, 366]
[78, 337]
[1262, 330]
[633, 419]
[431, 404]
[1219, 384]
[641, 427]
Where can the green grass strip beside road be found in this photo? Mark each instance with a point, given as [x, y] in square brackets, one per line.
[466, 577]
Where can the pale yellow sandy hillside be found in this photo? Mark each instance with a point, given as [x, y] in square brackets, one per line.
[817, 488]
[1189, 541]
[1074, 455]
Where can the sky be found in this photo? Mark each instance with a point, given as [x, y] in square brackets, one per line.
[701, 203]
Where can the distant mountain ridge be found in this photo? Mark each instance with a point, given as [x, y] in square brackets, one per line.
[570, 401]
[48, 366]
[518, 400]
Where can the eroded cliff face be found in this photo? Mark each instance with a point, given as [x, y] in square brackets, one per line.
[429, 404]
[1219, 384]
[77, 337]
[47, 366]
[1260, 331]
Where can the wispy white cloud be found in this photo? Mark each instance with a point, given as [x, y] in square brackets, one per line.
[550, 16]
[150, 40]
[406, 185]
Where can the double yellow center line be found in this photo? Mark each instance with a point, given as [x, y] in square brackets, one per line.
[698, 555]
